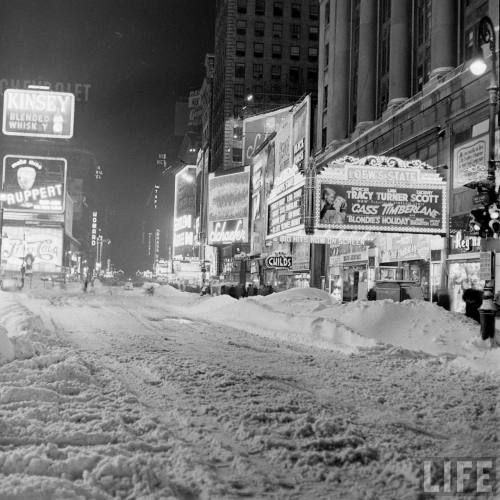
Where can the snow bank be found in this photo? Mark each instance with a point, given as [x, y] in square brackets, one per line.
[309, 316]
[288, 316]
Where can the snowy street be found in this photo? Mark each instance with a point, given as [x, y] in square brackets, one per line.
[115, 394]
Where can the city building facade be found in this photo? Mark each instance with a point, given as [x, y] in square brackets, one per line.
[266, 56]
[393, 82]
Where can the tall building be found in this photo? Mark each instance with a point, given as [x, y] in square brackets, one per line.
[393, 82]
[265, 49]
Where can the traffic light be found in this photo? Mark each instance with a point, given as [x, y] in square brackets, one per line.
[479, 221]
[494, 223]
[485, 221]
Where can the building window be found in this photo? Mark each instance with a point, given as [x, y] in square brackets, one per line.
[258, 71]
[327, 13]
[295, 31]
[312, 76]
[294, 75]
[276, 54]
[260, 7]
[275, 72]
[325, 97]
[241, 27]
[258, 49]
[259, 28]
[421, 44]
[240, 49]
[277, 30]
[313, 33]
[323, 137]
[295, 11]
[327, 55]
[278, 9]
[237, 155]
[242, 6]
[239, 70]
[295, 52]
[383, 48]
[313, 11]
[312, 54]
[239, 90]
[258, 90]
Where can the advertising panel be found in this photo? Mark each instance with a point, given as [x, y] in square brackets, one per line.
[43, 245]
[34, 183]
[301, 133]
[257, 129]
[228, 206]
[38, 113]
[285, 214]
[184, 211]
[470, 160]
[364, 196]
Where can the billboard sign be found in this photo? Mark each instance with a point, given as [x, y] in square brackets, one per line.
[43, 245]
[184, 211]
[301, 120]
[228, 206]
[258, 128]
[375, 197]
[38, 113]
[34, 183]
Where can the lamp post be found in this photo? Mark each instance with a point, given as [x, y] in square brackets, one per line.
[486, 36]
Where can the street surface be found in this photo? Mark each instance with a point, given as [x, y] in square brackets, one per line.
[159, 402]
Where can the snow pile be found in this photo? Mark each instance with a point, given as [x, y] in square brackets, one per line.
[309, 316]
[290, 316]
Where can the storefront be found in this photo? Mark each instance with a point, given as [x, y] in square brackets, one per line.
[463, 265]
[355, 276]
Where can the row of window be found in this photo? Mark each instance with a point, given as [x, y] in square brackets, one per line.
[294, 76]
[277, 30]
[278, 9]
[276, 52]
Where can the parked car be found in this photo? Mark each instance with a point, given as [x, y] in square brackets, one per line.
[129, 285]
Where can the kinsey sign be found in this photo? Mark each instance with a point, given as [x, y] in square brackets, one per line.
[228, 231]
[278, 262]
[33, 183]
[38, 113]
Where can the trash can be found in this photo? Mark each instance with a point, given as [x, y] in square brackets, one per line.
[487, 313]
[487, 319]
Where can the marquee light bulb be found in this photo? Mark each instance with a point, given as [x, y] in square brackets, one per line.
[478, 67]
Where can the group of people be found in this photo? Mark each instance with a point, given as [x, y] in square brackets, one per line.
[239, 291]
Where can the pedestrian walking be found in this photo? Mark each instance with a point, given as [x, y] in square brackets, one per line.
[23, 272]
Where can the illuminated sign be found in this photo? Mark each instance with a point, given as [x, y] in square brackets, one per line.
[285, 214]
[34, 183]
[381, 194]
[228, 231]
[184, 211]
[278, 262]
[38, 113]
[93, 233]
[43, 245]
[228, 207]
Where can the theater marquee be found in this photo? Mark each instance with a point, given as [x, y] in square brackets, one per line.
[380, 194]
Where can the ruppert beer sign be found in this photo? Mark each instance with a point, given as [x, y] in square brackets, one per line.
[38, 113]
[33, 183]
[380, 194]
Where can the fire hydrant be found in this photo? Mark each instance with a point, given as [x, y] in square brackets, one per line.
[487, 313]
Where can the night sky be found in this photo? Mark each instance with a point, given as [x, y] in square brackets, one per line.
[138, 56]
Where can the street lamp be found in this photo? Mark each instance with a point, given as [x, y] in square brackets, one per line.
[486, 36]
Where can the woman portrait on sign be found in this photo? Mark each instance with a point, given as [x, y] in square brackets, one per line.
[333, 207]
